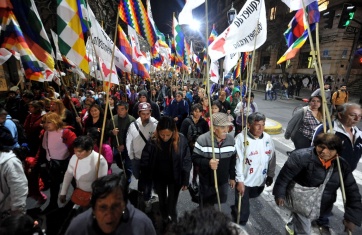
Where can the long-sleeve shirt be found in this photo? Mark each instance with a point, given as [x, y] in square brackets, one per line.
[134, 141]
[84, 172]
[255, 163]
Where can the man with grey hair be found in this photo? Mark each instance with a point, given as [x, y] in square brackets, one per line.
[348, 115]
[224, 164]
[255, 163]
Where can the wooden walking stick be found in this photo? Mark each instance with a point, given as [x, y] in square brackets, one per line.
[211, 119]
[321, 84]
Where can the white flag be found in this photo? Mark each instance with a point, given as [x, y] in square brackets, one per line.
[4, 55]
[214, 71]
[55, 40]
[230, 61]
[105, 68]
[249, 25]
[136, 52]
[185, 16]
[297, 4]
[103, 46]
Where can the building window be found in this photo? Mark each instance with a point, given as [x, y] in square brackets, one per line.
[344, 53]
[305, 61]
[273, 12]
[325, 53]
[265, 60]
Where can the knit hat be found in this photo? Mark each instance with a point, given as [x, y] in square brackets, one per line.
[221, 119]
[144, 106]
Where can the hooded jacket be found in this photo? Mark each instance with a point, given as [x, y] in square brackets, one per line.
[155, 109]
[13, 183]
[233, 99]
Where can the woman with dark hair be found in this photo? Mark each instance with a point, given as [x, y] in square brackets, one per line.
[32, 126]
[302, 125]
[112, 106]
[313, 167]
[206, 220]
[95, 117]
[107, 152]
[111, 212]
[20, 225]
[83, 166]
[166, 161]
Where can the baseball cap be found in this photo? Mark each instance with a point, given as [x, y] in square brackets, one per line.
[144, 106]
[221, 119]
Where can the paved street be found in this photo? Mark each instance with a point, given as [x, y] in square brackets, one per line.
[266, 217]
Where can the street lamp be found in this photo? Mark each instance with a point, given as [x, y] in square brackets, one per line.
[231, 13]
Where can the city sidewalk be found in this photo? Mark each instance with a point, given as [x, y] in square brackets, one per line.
[303, 94]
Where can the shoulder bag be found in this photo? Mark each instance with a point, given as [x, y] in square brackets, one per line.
[79, 196]
[306, 201]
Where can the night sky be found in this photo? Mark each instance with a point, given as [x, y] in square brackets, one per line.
[162, 13]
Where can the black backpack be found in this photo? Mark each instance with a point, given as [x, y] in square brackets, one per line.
[21, 132]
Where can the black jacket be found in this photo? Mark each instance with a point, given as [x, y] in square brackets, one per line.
[181, 161]
[304, 167]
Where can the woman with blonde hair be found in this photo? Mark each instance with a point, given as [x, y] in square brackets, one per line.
[56, 149]
[58, 107]
[166, 161]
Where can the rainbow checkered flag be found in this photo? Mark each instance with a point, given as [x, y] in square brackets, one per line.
[70, 30]
[12, 38]
[135, 15]
[179, 43]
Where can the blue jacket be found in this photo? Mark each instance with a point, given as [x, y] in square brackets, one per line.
[179, 109]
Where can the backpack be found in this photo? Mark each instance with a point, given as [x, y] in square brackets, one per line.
[21, 132]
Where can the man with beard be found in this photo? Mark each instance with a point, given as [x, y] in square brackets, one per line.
[224, 164]
[255, 163]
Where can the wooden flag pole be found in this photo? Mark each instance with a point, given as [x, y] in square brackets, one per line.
[321, 84]
[211, 119]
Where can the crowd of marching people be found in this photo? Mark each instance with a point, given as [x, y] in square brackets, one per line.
[159, 135]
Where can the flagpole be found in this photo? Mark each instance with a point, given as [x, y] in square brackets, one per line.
[108, 87]
[321, 84]
[209, 97]
[248, 79]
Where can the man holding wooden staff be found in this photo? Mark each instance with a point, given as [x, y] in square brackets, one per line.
[255, 163]
[224, 164]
